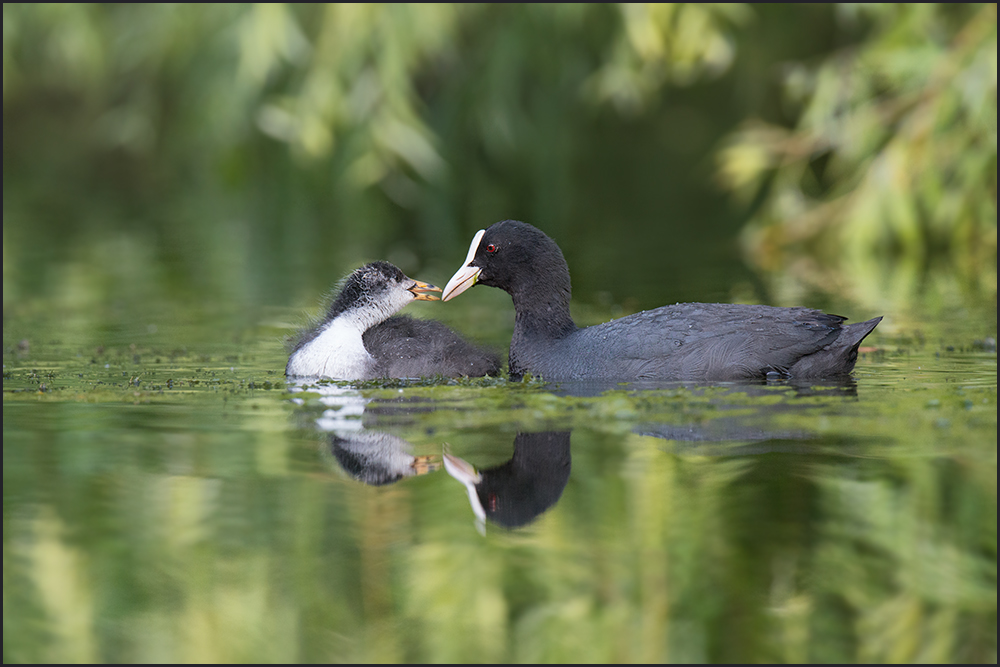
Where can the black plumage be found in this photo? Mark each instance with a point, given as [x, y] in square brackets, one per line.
[514, 493]
[361, 338]
[407, 347]
[690, 341]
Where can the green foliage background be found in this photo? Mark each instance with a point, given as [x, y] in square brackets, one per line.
[168, 166]
[252, 154]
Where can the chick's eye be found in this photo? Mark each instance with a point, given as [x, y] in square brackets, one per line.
[491, 248]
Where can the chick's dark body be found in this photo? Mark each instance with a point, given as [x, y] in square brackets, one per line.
[406, 347]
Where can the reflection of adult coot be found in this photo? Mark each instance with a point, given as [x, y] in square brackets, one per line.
[514, 493]
[377, 458]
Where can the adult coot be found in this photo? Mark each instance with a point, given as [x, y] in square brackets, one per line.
[361, 339]
[688, 341]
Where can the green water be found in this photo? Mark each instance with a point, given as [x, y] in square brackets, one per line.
[181, 184]
[168, 498]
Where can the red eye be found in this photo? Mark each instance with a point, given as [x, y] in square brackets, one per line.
[491, 248]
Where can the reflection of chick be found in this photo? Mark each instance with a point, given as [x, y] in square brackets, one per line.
[514, 493]
[361, 338]
[378, 458]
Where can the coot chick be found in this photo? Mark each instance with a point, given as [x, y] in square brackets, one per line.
[361, 338]
[688, 341]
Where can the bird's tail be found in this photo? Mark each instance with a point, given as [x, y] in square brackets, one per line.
[838, 357]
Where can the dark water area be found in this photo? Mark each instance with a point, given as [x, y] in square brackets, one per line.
[172, 498]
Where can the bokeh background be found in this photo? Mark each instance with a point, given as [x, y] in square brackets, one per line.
[183, 183]
[188, 158]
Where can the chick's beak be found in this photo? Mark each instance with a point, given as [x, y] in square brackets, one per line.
[425, 464]
[422, 291]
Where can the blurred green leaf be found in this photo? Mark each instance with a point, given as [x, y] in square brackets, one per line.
[891, 163]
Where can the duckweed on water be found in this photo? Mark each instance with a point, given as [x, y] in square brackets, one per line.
[817, 513]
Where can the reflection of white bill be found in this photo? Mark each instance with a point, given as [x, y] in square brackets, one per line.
[465, 473]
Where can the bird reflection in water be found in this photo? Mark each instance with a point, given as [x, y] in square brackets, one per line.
[510, 495]
[532, 481]
[515, 493]
[370, 456]
[378, 458]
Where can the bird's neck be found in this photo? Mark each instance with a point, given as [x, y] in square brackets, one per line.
[361, 317]
[543, 313]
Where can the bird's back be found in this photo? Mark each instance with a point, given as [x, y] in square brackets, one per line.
[697, 341]
[406, 347]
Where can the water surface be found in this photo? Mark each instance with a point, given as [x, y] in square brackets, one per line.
[167, 497]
